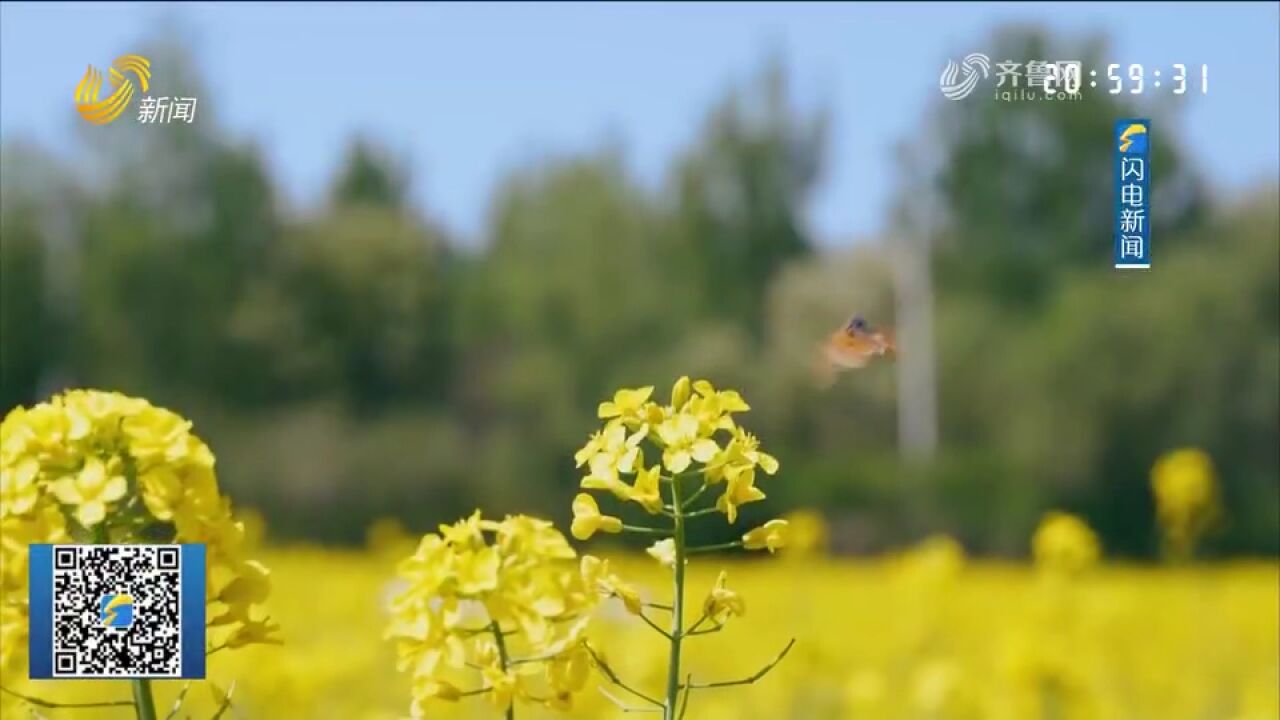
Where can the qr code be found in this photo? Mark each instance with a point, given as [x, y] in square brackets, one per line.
[117, 611]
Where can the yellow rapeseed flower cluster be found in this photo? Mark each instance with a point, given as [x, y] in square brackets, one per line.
[699, 449]
[1064, 543]
[807, 533]
[695, 436]
[1186, 496]
[90, 467]
[495, 609]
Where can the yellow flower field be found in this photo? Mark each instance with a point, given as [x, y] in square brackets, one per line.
[403, 627]
[920, 635]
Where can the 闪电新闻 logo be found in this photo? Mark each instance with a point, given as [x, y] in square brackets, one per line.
[1134, 139]
[116, 610]
[101, 112]
[959, 79]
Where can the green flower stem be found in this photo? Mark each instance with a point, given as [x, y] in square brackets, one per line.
[473, 693]
[225, 704]
[655, 626]
[499, 639]
[749, 680]
[143, 702]
[468, 632]
[714, 548]
[645, 530]
[693, 629]
[676, 476]
[53, 705]
[535, 659]
[697, 494]
[613, 677]
[177, 702]
[671, 706]
[684, 706]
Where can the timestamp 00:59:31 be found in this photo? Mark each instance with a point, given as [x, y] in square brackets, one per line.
[1136, 76]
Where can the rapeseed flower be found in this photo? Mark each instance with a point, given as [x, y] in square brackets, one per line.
[1064, 543]
[702, 447]
[93, 467]
[496, 607]
[587, 520]
[769, 536]
[723, 603]
[1186, 493]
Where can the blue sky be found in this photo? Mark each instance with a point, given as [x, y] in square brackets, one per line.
[466, 93]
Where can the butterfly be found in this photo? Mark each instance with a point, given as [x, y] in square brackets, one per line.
[851, 347]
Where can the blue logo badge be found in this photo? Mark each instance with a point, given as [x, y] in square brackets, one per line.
[1133, 139]
[1132, 173]
[116, 610]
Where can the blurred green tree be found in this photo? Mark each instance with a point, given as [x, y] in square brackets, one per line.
[742, 193]
[578, 267]
[41, 205]
[178, 221]
[351, 303]
[576, 291]
[1120, 370]
[351, 356]
[23, 307]
[370, 176]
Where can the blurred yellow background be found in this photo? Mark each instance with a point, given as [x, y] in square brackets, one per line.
[923, 634]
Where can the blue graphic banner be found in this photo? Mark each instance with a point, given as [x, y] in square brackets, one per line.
[117, 611]
[1131, 144]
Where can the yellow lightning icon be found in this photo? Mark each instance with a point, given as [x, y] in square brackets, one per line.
[1126, 138]
[112, 605]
